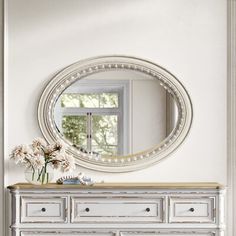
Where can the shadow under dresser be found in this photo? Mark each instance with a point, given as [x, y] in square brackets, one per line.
[118, 209]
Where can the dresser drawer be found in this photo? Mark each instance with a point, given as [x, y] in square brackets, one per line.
[170, 233]
[192, 209]
[116, 209]
[53, 209]
[65, 233]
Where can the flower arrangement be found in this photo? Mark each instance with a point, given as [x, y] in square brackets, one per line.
[37, 156]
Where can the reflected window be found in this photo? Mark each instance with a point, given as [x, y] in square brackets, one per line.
[93, 119]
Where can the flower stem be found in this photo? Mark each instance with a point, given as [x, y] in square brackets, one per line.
[33, 175]
[40, 173]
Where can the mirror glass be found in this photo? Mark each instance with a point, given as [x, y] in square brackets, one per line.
[115, 113]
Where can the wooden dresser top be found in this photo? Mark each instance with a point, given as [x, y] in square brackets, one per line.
[195, 185]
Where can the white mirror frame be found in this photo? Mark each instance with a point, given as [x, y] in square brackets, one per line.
[90, 66]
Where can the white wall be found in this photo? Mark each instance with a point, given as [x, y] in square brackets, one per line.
[187, 37]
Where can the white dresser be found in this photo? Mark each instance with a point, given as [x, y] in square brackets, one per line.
[118, 209]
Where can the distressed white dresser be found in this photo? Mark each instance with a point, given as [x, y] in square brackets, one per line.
[118, 209]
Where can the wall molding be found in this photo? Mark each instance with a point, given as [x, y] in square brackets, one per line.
[231, 118]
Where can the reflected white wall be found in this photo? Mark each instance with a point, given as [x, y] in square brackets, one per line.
[149, 114]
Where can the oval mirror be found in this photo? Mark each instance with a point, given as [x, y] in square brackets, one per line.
[115, 113]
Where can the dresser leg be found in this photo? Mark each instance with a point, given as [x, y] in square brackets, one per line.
[221, 232]
[15, 232]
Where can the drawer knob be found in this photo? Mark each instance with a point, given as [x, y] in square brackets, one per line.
[147, 209]
[43, 209]
[191, 209]
[87, 209]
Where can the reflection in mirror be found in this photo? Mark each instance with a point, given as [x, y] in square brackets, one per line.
[115, 113]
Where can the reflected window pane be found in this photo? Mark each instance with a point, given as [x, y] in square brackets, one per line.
[105, 134]
[75, 130]
[70, 100]
[108, 100]
[90, 100]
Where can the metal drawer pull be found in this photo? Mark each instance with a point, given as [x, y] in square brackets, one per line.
[87, 209]
[147, 209]
[191, 209]
[43, 209]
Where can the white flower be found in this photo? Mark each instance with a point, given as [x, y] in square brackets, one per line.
[21, 153]
[56, 164]
[39, 155]
[58, 156]
[39, 143]
[49, 149]
[53, 149]
[68, 163]
[37, 162]
[59, 146]
[37, 152]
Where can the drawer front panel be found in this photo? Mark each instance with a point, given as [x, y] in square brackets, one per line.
[43, 209]
[169, 233]
[130, 210]
[63, 233]
[116, 209]
[192, 210]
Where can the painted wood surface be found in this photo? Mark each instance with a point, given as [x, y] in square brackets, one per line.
[116, 209]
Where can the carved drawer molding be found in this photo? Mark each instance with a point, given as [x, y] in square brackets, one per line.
[43, 209]
[192, 209]
[115, 209]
